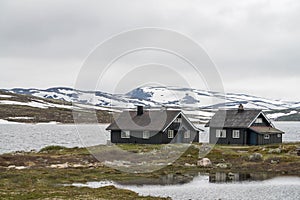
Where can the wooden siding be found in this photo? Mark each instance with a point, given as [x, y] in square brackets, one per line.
[247, 137]
[272, 140]
[229, 139]
[264, 123]
[136, 137]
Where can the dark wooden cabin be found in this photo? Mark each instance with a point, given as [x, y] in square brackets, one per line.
[242, 127]
[153, 127]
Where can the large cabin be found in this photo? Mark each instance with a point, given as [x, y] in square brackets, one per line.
[242, 127]
[153, 127]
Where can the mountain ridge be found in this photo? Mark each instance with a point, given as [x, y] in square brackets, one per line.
[198, 104]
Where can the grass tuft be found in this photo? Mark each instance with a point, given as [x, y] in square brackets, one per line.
[52, 148]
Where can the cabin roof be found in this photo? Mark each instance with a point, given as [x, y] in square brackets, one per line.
[233, 118]
[265, 130]
[152, 120]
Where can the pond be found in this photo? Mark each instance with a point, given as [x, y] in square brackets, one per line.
[214, 186]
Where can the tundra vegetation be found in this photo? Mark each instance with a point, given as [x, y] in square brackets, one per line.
[42, 174]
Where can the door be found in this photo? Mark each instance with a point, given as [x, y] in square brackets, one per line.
[253, 138]
[179, 137]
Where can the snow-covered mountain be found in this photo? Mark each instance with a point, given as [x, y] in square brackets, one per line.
[198, 104]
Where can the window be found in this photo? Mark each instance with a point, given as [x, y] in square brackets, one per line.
[236, 134]
[125, 134]
[178, 120]
[170, 134]
[279, 135]
[146, 134]
[221, 133]
[267, 136]
[187, 134]
[258, 121]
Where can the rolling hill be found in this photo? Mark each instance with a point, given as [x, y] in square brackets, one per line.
[199, 105]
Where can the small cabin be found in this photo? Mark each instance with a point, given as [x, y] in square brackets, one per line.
[153, 127]
[242, 127]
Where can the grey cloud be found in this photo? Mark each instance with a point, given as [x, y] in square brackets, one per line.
[242, 37]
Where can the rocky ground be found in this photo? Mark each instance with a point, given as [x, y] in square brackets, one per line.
[30, 109]
[40, 175]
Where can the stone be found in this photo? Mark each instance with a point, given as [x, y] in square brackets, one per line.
[223, 165]
[204, 162]
[230, 174]
[20, 167]
[60, 166]
[274, 161]
[256, 157]
[277, 150]
[78, 166]
[189, 165]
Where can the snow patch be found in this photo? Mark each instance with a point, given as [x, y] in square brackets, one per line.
[5, 96]
[2, 121]
[31, 104]
[21, 118]
[280, 114]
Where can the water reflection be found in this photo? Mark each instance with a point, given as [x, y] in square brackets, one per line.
[222, 177]
[219, 185]
[180, 179]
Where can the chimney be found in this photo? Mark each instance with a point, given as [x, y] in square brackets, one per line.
[140, 110]
[241, 108]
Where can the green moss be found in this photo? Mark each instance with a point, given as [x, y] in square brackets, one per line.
[52, 148]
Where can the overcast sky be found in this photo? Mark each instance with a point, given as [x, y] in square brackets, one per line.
[254, 43]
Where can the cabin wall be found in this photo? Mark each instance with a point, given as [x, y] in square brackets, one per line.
[136, 137]
[159, 137]
[274, 139]
[179, 137]
[229, 139]
[165, 139]
[264, 123]
[194, 133]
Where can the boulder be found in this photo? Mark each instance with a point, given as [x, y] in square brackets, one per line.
[256, 157]
[60, 166]
[189, 165]
[204, 162]
[274, 161]
[223, 165]
[78, 166]
[277, 150]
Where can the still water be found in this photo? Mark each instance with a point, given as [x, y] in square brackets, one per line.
[25, 137]
[215, 187]
[287, 188]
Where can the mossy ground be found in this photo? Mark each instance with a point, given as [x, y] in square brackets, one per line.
[41, 181]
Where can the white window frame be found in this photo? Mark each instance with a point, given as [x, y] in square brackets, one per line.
[259, 120]
[178, 120]
[279, 135]
[146, 134]
[187, 134]
[267, 136]
[221, 133]
[170, 133]
[236, 134]
[125, 134]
